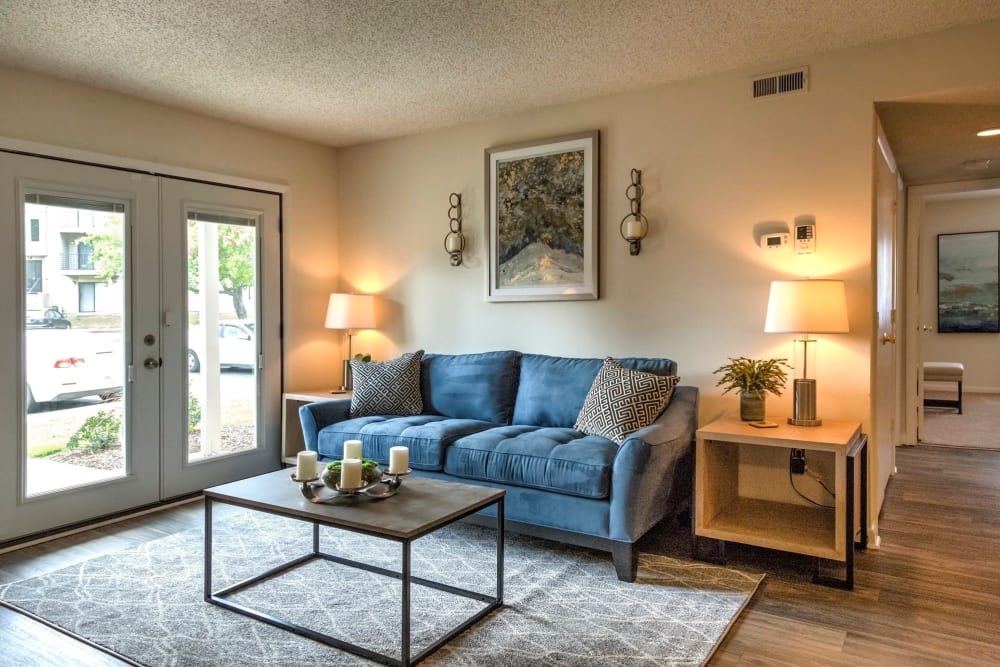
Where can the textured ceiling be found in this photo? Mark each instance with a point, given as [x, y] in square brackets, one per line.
[343, 72]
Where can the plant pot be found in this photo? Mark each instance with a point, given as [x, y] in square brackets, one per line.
[752, 407]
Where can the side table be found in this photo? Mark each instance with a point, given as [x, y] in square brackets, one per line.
[292, 441]
[721, 513]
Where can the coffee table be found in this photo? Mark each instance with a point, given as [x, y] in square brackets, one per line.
[420, 507]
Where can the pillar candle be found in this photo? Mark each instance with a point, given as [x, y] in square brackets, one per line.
[453, 243]
[633, 229]
[305, 465]
[399, 460]
[350, 473]
[352, 449]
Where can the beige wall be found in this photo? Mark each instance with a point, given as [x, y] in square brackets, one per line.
[46, 110]
[977, 213]
[715, 163]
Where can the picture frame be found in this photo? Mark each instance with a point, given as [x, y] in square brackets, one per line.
[969, 282]
[542, 219]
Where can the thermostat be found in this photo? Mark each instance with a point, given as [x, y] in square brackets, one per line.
[805, 235]
[774, 241]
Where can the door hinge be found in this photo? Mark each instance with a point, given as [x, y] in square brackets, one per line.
[130, 373]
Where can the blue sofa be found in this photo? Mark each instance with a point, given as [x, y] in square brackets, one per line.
[505, 419]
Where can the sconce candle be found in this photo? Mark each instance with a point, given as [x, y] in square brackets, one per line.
[399, 460]
[634, 226]
[352, 449]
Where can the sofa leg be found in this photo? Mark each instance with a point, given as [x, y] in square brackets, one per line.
[626, 559]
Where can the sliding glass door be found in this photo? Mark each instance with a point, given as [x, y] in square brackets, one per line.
[143, 357]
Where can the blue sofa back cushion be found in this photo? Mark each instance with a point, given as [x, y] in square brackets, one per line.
[470, 386]
[552, 389]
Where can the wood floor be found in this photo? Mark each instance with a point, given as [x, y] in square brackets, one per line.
[929, 596]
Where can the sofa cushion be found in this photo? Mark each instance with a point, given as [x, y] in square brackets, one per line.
[551, 459]
[552, 389]
[470, 386]
[621, 401]
[427, 436]
[387, 387]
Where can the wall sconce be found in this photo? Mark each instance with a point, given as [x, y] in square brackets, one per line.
[454, 242]
[634, 226]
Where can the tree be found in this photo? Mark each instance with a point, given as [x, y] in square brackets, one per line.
[107, 254]
[236, 262]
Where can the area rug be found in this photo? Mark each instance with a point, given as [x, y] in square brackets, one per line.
[977, 427]
[562, 605]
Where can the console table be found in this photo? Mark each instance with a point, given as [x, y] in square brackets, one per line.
[722, 514]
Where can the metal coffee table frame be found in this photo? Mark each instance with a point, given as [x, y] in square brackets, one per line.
[494, 602]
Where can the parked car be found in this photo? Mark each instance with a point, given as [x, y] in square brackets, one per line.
[50, 319]
[64, 364]
[237, 345]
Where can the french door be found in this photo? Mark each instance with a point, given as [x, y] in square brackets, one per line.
[112, 280]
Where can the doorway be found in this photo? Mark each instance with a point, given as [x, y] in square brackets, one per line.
[105, 414]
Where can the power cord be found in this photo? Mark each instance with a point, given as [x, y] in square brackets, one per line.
[791, 481]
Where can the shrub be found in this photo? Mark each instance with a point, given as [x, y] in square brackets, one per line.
[98, 431]
[194, 412]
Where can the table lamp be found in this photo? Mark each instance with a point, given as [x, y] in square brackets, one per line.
[806, 307]
[350, 312]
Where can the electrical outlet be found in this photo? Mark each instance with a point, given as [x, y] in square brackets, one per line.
[797, 463]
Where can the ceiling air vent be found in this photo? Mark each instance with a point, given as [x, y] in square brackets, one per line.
[781, 83]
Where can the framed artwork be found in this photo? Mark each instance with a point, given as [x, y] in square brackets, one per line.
[969, 282]
[541, 219]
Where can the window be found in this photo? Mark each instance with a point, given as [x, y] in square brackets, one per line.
[87, 300]
[33, 276]
[84, 256]
[35, 230]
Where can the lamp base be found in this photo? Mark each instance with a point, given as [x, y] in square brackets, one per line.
[348, 379]
[804, 404]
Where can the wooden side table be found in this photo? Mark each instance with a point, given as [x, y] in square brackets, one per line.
[721, 513]
[292, 441]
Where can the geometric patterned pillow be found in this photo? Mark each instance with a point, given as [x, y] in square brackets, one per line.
[622, 401]
[387, 387]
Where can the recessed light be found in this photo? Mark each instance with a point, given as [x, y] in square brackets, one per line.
[976, 165]
[992, 132]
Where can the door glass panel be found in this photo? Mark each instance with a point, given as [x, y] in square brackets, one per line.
[73, 361]
[222, 340]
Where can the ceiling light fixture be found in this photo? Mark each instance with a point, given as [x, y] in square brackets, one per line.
[992, 132]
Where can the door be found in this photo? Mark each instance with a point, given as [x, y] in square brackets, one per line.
[104, 414]
[221, 313]
[70, 397]
[885, 422]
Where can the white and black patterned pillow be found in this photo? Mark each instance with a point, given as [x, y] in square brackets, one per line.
[387, 387]
[621, 401]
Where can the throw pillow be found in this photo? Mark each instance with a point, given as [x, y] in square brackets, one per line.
[622, 401]
[387, 387]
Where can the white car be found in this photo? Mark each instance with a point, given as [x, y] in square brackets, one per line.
[63, 364]
[237, 346]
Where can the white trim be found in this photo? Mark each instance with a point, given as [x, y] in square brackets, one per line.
[61, 152]
[98, 524]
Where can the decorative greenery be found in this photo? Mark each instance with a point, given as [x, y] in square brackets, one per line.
[99, 431]
[362, 357]
[370, 471]
[753, 377]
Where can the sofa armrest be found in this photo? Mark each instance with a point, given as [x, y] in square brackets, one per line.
[653, 471]
[314, 417]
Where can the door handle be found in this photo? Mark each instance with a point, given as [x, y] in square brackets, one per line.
[888, 338]
[151, 363]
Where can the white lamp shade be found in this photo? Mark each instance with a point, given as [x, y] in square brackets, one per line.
[350, 311]
[807, 307]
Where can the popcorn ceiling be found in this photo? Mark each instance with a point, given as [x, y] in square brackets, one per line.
[343, 72]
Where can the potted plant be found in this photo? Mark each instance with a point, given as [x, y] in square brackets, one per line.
[753, 378]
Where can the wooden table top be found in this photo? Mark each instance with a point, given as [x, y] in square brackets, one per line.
[419, 507]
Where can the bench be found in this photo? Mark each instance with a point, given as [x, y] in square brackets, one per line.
[944, 371]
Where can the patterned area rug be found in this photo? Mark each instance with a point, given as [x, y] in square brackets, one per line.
[562, 605]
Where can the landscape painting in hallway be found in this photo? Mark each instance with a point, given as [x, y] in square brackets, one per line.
[968, 280]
